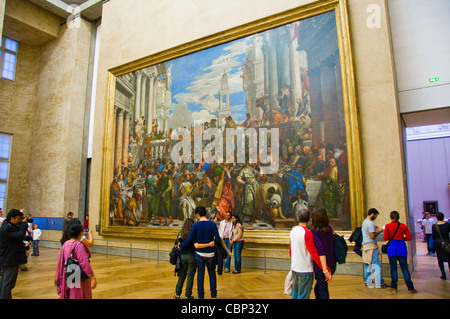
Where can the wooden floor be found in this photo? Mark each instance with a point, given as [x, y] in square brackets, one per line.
[122, 278]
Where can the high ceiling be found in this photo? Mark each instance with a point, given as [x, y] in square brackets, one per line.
[90, 9]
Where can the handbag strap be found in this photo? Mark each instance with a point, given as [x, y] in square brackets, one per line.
[439, 232]
[71, 254]
[395, 233]
[177, 240]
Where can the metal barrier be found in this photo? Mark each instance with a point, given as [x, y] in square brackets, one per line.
[158, 250]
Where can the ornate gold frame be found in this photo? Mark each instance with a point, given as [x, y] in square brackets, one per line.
[357, 197]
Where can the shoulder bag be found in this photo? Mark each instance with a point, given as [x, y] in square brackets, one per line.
[174, 254]
[444, 242]
[384, 247]
[72, 267]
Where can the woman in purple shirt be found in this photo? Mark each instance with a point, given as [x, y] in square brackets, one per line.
[323, 235]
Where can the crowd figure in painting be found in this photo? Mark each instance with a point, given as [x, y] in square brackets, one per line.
[156, 192]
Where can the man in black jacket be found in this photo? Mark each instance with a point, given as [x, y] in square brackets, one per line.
[12, 251]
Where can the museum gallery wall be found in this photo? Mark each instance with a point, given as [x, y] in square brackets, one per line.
[255, 125]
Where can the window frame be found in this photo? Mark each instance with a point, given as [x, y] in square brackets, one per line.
[8, 161]
[3, 51]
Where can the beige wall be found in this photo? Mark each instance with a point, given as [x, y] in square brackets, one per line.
[44, 110]
[384, 172]
[129, 34]
[17, 101]
[58, 122]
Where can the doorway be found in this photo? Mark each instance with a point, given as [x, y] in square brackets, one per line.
[427, 155]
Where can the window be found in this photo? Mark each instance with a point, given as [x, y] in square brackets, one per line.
[5, 155]
[8, 58]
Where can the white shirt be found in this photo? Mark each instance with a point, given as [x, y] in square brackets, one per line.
[301, 260]
[224, 228]
[368, 227]
[36, 234]
[428, 225]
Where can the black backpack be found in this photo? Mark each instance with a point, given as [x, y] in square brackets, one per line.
[356, 237]
[340, 249]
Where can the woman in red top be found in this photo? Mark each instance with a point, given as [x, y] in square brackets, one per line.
[397, 251]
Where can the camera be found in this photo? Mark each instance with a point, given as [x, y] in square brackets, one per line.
[27, 220]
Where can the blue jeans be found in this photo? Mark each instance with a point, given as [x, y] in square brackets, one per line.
[429, 249]
[238, 246]
[321, 287]
[35, 244]
[302, 285]
[376, 267]
[228, 259]
[404, 267]
[210, 264]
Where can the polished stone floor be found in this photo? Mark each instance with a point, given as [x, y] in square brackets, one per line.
[122, 278]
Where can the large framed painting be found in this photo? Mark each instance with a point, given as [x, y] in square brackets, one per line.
[260, 120]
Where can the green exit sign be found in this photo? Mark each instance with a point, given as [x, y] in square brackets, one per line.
[433, 80]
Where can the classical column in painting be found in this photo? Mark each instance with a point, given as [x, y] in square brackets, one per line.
[144, 80]
[284, 59]
[163, 101]
[294, 64]
[150, 104]
[265, 52]
[339, 93]
[168, 98]
[153, 94]
[166, 119]
[253, 78]
[113, 158]
[270, 41]
[119, 142]
[258, 69]
[316, 106]
[329, 102]
[137, 100]
[304, 80]
[126, 138]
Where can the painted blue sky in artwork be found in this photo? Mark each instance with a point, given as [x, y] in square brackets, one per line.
[196, 82]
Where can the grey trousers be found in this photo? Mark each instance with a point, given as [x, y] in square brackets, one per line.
[8, 281]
